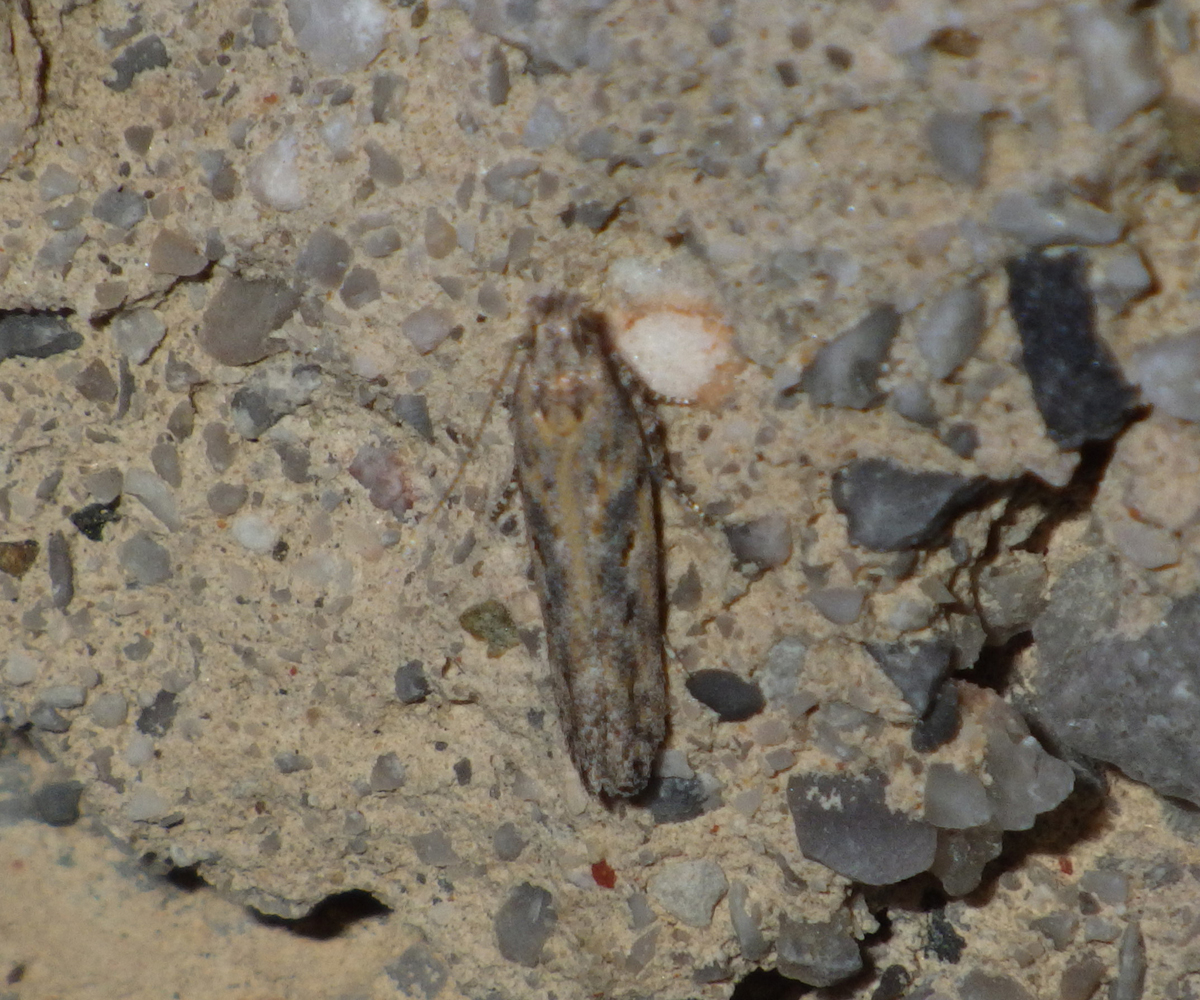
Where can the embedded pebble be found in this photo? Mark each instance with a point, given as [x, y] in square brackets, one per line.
[1108, 886]
[338, 35]
[57, 802]
[105, 486]
[241, 317]
[136, 333]
[507, 842]
[164, 456]
[144, 805]
[845, 370]
[155, 495]
[290, 762]
[497, 77]
[977, 985]
[1130, 983]
[274, 176]
[138, 138]
[109, 710]
[26, 334]
[890, 507]
[144, 560]
[157, 718]
[49, 719]
[954, 799]
[120, 207]
[219, 447]
[524, 923]
[842, 822]
[62, 571]
[959, 144]
[751, 942]
[225, 499]
[440, 237]
[66, 216]
[17, 557]
[173, 253]
[817, 954]
[434, 848]
[412, 686]
[418, 972]
[413, 411]
[92, 519]
[1120, 73]
[272, 395]
[506, 181]
[1168, 372]
[145, 54]
[387, 773]
[19, 669]
[689, 890]
[545, 127]
[675, 799]
[56, 182]
[1081, 978]
[254, 532]
[63, 696]
[951, 328]
[380, 242]
[1053, 220]
[841, 605]
[325, 258]
[917, 668]
[427, 327]
[1077, 386]
[360, 288]
[383, 167]
[779, 675]
[730, 696]
[383, 474]
[765, 542]
[58, 252]
[96, 383]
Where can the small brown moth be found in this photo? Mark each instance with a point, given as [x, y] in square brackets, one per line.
[591, 512]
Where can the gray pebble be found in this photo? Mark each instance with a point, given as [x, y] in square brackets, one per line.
[294, 460]
[56, 182]
[109, 710]
[381, 242]
[388, 774]
[917, 668]
[58, 252]
[427, 327]
[158, 717]
[136, 333]
[545, 126]
[689, 890]
[978, 985]
[155, 495]
[289, 762]
[413, 411]
[382, 167]
[57, 803]
[360, 288]
[890, 507]
[418, 972]
[96, 383]
[165, 459]
[843, 823]
[19, 669]
[950, 329]
[179, 375]
[105, 486]
[1081, 978]
[241, 317]
[764, 542]
[412, 686]
[145, 54]
[48, 719]
[138, 138]
[524, 923]
[62, 571]
[264, 30]
[498, 83]
[325, 258]
[845, 370]
[1130, 983]
[387, 89]
[676, 799]
[271, 396]
[144, 560]
[434, 848]
[63, 696]
[1054, 219]
[1168, 372]
[219, 447]
[120, 207]
[818, 954]
[959, 144]
[504, 181]
[174, 254]
[182, 420]
[751, 943]
[440, 237]
[841, 605]
[66, 216]
[35, 335]
[507, 842]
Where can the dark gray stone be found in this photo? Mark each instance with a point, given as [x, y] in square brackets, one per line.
[917, 668]
[845, 370]
[156, 719]
[418, 972]
[817, 954]
[120, 207]
[146, 54]
[890, 507]
[32, 334]
[242, 315]
[1077, 385]
[412, 686]
[57, 802]
[842, 822]
[413, 411]
[727, 694]
[524, 923]
[62, 571]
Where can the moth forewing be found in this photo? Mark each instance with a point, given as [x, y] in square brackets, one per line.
[591, 511]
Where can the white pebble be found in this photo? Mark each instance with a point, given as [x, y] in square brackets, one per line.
[1168, 372]
[274, 176]
[1051, 220]
[254, 532]
[338, 35]
[155, 494]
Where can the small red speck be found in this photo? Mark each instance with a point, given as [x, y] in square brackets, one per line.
[293, 671]
[603, 874]
[1065, 866]
[271, 99]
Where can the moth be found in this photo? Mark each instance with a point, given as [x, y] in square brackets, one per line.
[590, 493]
